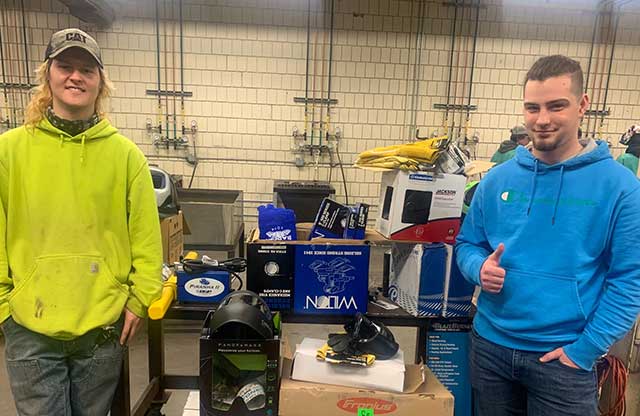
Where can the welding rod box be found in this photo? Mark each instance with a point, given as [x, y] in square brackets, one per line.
[320, 276]
[420, 206]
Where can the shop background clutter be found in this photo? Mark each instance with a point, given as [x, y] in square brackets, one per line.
[245, 61]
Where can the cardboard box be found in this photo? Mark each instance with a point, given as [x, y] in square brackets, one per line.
[448, 358]
[426, 281]
[458, 291]
[172, 238]
[384, 375]
[428, 397]
[270, 270]
[417, 280]
[330, 276]
[417, 206]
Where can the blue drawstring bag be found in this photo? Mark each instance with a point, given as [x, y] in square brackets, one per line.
[276, 223]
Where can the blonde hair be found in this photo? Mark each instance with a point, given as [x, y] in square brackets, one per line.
[43, 98]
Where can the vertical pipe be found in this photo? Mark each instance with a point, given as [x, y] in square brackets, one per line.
[473, 65]
[593, 43]
[330, 65]
[173, 70]
[306, 79]
[453, 40]
[4, 81]
[606, 88]
[182, 69]
[26, 48]
[158, 63]
[166, 71]
[416, 68]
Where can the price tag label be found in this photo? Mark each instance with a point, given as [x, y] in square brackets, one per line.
[365, 412]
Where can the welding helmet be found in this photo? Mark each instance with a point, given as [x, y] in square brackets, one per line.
[242, 315]
[626, 137]
[365, 337]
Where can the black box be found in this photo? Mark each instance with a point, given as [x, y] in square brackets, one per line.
[230, 367]
[270, 269]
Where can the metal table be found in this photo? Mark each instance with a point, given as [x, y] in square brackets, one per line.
[155, 395]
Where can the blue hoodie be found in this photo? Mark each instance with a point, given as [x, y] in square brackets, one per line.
[571, 233]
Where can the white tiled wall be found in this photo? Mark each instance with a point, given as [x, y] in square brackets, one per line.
[245, 61]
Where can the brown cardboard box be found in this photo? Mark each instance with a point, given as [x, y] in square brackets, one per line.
[298, 398]
[172, 238]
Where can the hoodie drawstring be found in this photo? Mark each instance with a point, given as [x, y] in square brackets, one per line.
[533, 185]
[82, 151]
[84, 136]
[555, 205]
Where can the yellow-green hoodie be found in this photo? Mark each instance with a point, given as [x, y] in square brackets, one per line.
[79, 229]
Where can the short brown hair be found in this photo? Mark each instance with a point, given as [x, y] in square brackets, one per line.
[555, 66]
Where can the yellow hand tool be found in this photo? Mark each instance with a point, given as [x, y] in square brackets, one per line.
[169, 293]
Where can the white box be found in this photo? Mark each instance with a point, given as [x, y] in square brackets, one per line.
[419, 206]
[386, 375]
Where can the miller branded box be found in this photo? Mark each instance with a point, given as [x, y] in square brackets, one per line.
[426, 281]
[448, 358]
[329, 276]
[420, 206]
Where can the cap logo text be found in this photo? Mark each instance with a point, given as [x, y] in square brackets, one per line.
[77, 37]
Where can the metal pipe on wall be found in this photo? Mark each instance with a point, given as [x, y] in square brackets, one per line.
[7, 109]
[331, 26]
[606, 88]
[416, 69]
[473, 66]
[306, 79]
[158, 66]
[182, 114]
[445, 121]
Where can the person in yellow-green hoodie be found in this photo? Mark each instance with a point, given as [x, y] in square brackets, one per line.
[80, 253]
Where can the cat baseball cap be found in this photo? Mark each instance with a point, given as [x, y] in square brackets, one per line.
[72, 38]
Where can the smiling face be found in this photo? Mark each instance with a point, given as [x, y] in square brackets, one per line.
[74, 79]
[552, 114]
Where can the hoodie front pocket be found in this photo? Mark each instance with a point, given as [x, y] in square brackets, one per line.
[67, 295]
[534, 305]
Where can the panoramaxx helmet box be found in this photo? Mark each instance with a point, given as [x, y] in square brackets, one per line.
[420, 206]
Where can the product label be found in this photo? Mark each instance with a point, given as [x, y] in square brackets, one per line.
[359, 404]
[204, 287]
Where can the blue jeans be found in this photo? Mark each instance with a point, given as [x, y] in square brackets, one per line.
[53, 377]
[513, 382]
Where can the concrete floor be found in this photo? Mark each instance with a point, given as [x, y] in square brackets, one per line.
[181, 352]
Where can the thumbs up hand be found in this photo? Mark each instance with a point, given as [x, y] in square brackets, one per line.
[491, 274]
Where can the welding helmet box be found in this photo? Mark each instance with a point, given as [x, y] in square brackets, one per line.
[239, 358]
[420, 206]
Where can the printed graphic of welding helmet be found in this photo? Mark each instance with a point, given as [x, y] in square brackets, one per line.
[238, 377]
[242, 315]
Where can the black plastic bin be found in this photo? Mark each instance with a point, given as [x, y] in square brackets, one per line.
[303, 197]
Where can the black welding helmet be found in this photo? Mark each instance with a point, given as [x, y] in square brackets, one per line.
[365, 337]
[242, 315]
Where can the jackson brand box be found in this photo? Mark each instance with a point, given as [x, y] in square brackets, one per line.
[418, 206]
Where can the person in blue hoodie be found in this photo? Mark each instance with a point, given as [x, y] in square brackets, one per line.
[551, 237]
